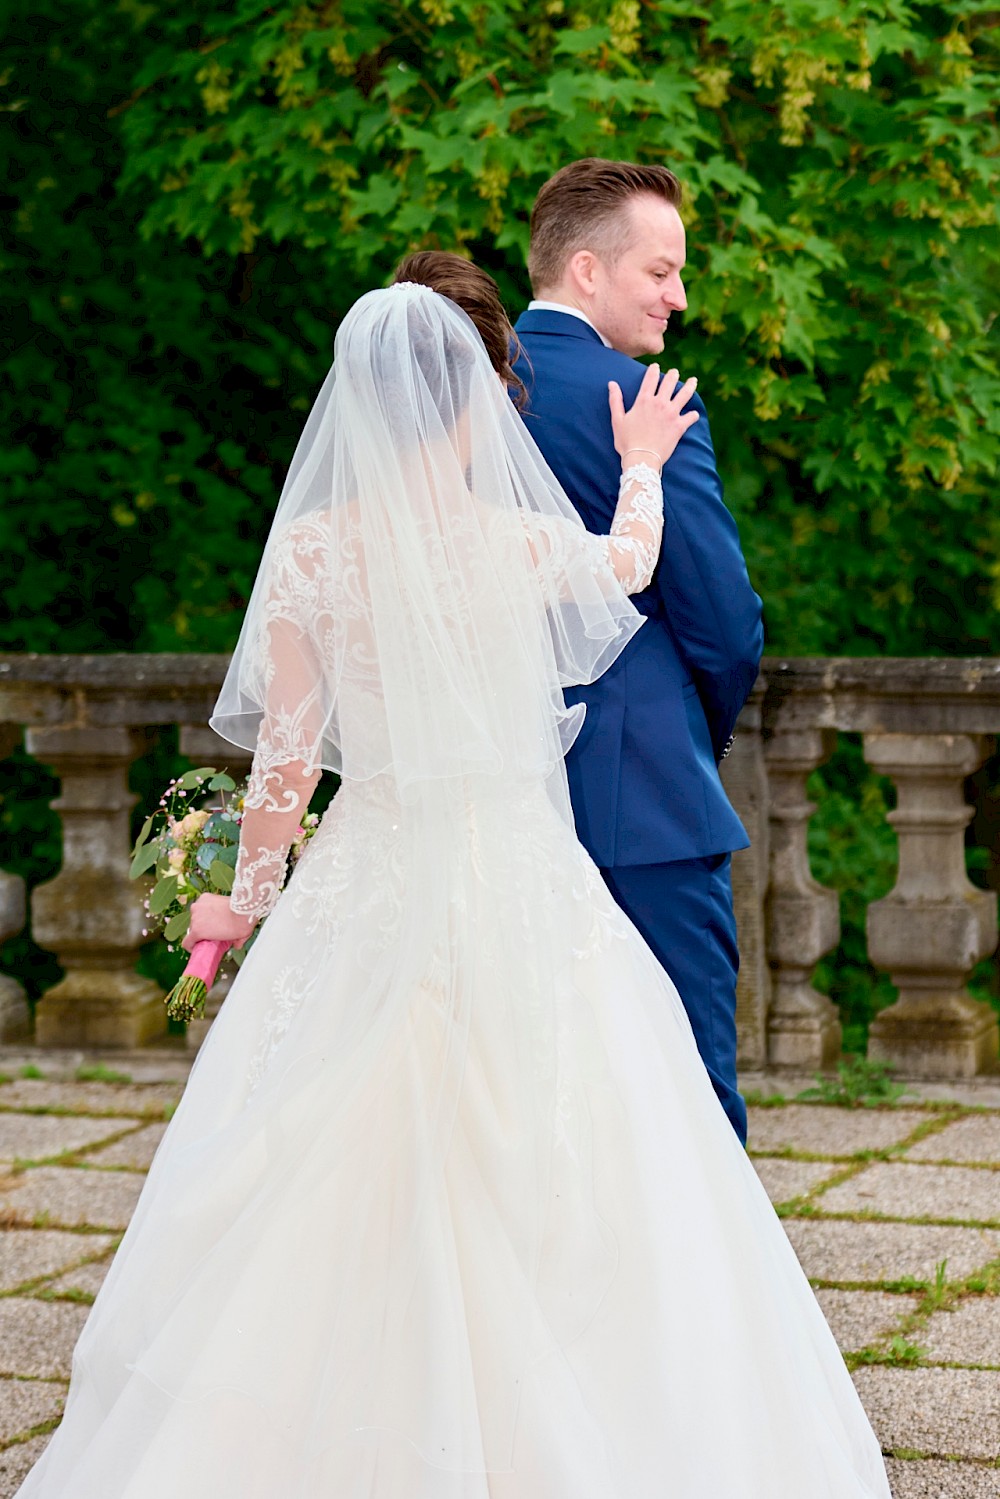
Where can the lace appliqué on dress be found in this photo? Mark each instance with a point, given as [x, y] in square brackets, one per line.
[289, 991]
[605, 923]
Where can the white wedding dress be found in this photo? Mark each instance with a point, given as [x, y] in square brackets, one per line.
[449, 1209]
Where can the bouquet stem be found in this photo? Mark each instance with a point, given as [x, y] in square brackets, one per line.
[186, 1000]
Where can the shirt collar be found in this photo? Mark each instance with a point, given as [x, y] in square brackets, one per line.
[538, 306]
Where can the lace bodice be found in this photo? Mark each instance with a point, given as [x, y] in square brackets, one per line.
[298, 614]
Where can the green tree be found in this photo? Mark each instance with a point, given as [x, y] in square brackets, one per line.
[146, 416]
[839, 160]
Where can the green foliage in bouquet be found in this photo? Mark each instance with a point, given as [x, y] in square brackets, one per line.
[188, 849]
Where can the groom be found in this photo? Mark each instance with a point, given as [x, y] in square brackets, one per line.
[606, 255]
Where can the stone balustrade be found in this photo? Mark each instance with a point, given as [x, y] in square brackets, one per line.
[926, 724]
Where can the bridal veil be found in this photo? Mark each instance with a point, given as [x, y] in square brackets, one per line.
[427, 588]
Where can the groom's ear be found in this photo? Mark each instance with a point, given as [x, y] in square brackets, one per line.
[584, 268]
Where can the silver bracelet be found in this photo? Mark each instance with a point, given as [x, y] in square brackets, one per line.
[652, 451]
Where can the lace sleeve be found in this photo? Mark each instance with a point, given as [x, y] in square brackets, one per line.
[637, 529]
[283, 777]
[630, 550]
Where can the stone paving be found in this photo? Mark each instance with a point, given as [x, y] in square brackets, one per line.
[893, 1211]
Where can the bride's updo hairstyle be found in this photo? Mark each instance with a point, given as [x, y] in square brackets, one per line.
[478, 295]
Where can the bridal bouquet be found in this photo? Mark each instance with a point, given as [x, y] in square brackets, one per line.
[189, 843]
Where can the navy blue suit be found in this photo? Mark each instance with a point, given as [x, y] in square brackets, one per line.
[643, 774]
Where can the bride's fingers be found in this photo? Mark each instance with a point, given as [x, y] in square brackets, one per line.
[650, 381]
[665, 390]
[681, 397]
[617, 403]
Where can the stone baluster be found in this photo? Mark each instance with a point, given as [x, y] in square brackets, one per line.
[90, 915]
[202, 745]
[744, 776]
[15, 1016]
[934, 925]
[803, 917]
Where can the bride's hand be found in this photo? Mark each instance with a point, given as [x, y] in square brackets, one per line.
[214, 920]
[656, 421]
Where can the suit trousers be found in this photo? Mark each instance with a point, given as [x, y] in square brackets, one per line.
[684, 910]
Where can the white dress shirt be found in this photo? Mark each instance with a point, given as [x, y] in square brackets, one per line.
[573, 312]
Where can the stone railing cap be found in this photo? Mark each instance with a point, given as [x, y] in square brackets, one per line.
[116, 671]
[930, 676]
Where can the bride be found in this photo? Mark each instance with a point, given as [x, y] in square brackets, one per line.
[449, 1209]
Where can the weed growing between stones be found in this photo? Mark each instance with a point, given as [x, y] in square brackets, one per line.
[857, 1083]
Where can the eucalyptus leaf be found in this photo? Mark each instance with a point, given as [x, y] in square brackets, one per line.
[222, 782]
[223, 828]
[144, 859]
[192, 778]
[144, 834]
[164, 895]
[178, 925]
[221, 876]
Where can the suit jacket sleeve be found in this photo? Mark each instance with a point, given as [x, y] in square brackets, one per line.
[714, 613]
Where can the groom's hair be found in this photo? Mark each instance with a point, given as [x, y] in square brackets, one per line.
[581, 208]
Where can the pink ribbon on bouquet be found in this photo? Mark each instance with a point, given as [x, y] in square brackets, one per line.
[186, 1000]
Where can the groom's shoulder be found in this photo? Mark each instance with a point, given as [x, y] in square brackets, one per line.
[622, 368]
[576, 363]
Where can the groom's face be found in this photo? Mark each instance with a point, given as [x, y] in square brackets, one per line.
[634, 297]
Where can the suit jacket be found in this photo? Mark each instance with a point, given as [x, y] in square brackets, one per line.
[643, 773]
